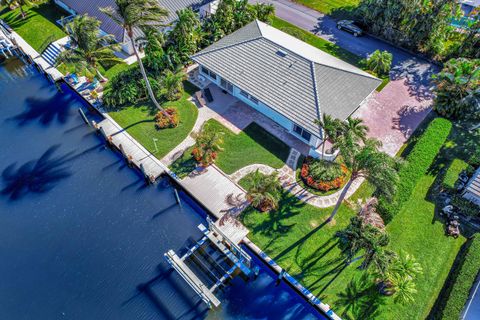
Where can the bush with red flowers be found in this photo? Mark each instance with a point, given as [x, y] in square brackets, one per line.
[166, 119]
[323, 175]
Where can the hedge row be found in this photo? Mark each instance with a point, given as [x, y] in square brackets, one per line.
[419, 160]
[464, 280]
[453, 171]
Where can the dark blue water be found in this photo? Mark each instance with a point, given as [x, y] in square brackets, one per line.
[82, 237]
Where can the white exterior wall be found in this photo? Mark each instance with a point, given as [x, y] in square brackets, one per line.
[209, 8]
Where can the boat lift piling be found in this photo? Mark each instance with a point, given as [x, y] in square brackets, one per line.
[84, 117]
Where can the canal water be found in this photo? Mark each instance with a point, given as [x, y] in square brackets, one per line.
[82, 237]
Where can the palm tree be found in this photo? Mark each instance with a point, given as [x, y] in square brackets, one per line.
[207, 145]
[366, 161]
[264, 12]
[331, 128]
[403, 288]
[90, 48]
[186, 34]
[20, 4]
[380, 62]
[263, 191]
[406, 265]
[359, 236]
[173, 85]
[138, 14]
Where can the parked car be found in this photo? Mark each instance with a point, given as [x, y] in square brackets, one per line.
[350, 26]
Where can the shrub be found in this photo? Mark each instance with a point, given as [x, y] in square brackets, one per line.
[166, 119]
[418, 162]
[451, 176]
[466, 207]
[323, 175]
[380, 62]
[463, 281]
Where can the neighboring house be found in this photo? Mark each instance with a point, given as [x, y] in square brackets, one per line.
[289, 81]
[92, 8]
[472, 190]
[469, 6]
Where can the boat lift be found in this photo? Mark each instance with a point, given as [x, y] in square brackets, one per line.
[212, 261]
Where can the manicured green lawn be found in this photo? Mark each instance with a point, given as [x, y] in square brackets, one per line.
[139, 121]
[325, 45]
[330, 6]
[296, 238]
[39, 26]
[252, 145]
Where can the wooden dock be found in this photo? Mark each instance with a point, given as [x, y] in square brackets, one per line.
[132, 150]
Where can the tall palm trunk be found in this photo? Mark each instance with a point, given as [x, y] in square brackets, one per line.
[342, 197]
[144, 74]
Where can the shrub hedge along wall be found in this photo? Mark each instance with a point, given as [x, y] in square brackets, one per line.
[463, 281]
[418, 162]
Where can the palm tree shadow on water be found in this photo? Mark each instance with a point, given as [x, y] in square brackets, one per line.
[56, 107]
[38, 176]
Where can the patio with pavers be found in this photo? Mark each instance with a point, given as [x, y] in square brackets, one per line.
[393, 114]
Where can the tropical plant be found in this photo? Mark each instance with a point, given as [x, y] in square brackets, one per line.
[154, 53]
[17, 3]
[380, 62]
[420, 25]
[173, 85]
[207, 145]
[170, 120]
[397, 277]
[263, 11]
[362, 237]
[90, 48]
[322, 170]
[366, 161]
[138, 14]
[263, 191]
[331, 128]
[186, 35]
[457, 89]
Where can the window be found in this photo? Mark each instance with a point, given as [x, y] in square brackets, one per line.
[208, 72]
[253, 99]
[243, 93]
[226, 85]
[302, 132]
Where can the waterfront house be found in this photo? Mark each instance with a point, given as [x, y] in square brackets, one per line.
[92, 8]
[287, 80]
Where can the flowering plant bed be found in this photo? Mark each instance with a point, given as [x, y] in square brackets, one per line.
[166, 119]
[323, 175]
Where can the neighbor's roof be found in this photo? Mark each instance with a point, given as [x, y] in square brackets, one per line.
[92, 8]
[473, 186]
[290, 76]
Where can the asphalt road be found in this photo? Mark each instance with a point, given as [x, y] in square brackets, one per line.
[416, 70]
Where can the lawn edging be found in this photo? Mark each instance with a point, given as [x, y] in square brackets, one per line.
[419, 160]
[458, 286]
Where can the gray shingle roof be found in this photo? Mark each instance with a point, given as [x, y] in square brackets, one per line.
[109, 26]
[473, 185]
[293, 78]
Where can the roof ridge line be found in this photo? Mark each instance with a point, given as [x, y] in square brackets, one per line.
[201, 53]
[308, 59]
[370, 76]
[315, 92]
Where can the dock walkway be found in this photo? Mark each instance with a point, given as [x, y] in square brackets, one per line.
[35, 56]
[131, 149]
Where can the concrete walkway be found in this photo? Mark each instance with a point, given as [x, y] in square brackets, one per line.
[288, 178]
